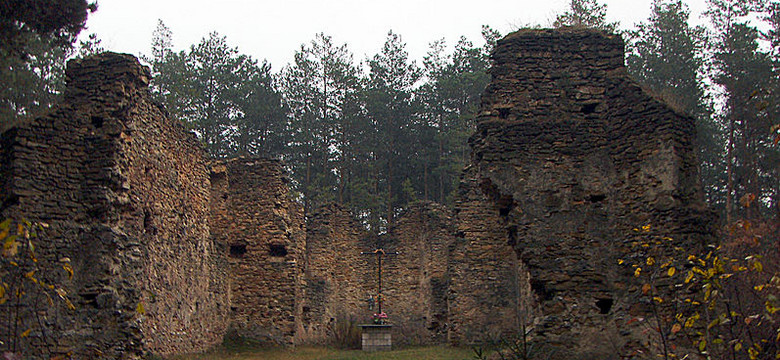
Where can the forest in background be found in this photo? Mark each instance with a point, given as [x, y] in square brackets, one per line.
[376, 134]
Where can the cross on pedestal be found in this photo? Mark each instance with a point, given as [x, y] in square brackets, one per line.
[379, 254]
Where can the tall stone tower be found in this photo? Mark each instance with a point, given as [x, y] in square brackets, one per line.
[569, 156]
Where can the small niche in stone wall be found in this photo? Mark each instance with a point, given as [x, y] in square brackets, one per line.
[237, 250]
[589, 108]
[97, 122]
[596, 197]
[277, 250]
[604, 305]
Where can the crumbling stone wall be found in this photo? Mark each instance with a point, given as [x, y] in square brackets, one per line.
[263, 230]
[124, 190]
[569, 156]
[339, 279]
[417, 279]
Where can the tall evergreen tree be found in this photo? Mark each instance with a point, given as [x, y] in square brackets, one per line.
[226, 97]
[665, 54]
[393, 109]
[321, 88]
[587, 13]
[745, 74]
[451, 96]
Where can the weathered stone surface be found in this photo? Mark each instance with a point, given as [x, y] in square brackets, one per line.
[125, 192]
[254, 217]
[569, 156]
[339, 279]
[417, 279]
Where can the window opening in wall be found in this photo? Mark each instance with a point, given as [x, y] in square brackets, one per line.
[237, 250]
[589, 108]
[596, 197]
[277, 250]
[97, 121]
[604, 305]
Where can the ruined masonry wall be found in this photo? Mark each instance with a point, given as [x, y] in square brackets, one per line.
[339, 279]
[262, 229]
[571, 155]
[124, 190]
[417, 278]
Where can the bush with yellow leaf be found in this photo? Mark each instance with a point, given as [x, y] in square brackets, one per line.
[708, 305]
[26, 294]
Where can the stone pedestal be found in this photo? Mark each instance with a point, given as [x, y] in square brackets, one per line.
[377, 337]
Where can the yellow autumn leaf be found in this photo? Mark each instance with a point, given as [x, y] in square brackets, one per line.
[713, 324]
[738, 346]
[770, 308]
[690, 322]
[757, 266]
[676, 328]
[658, 299]
[637, 272]
[69, 270]
[753, 353]
[650, 261]
[140, 309]
[671, 271]
[61, 293]
[621, 261]
[702, 345]
[26, 333]
[689, 277]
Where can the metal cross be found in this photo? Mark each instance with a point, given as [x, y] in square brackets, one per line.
[379, 254]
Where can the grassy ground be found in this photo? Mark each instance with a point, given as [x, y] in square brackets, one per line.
[323, 353]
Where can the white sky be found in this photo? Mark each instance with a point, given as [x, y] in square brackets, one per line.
[274, 30]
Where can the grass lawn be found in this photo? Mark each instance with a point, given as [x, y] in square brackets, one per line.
[324, 353]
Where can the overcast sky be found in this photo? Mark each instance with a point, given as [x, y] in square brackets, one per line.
[274, 30]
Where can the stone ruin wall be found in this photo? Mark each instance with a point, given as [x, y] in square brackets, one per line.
[417, 279]
[569, 156]
[339, 279]
[127, 211]
[262, 229]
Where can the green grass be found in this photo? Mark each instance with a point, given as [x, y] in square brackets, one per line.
[324, 353]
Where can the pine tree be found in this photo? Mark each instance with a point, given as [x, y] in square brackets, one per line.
[321, 88]
[586, 13]
[745, 73]
[393, 110]
[665, 54]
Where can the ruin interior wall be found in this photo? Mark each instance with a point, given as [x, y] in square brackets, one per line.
[255, 218]
[339, 280]
[124, 190]
[417, 278]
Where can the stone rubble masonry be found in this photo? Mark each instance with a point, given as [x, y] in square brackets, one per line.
[416, 280]
[339, 279]
[254, 217]
[569, 156]
[125, 192]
